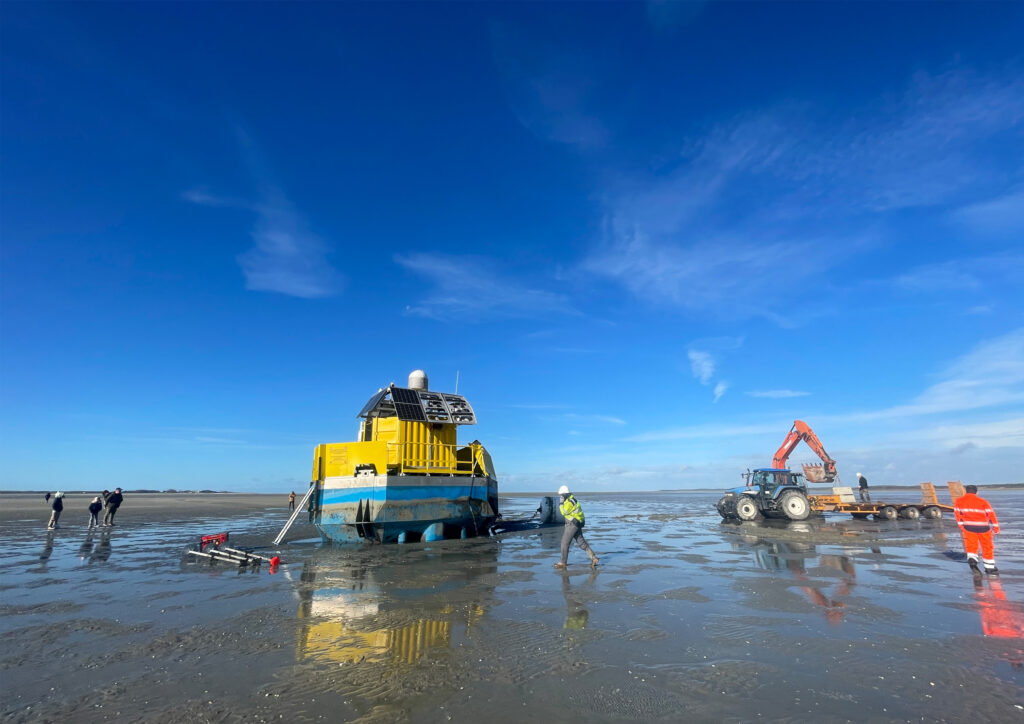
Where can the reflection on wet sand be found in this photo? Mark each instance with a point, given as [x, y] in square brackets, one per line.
[1000, 617]
[103, 548]
[86, 548]
[576, 614]
[791, 556]
[361, 613]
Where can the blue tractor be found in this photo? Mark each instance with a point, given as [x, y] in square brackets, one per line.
[769, 492]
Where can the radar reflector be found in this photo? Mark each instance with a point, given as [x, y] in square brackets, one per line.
[461, 412]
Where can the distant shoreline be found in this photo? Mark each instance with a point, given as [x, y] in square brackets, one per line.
[814, 488]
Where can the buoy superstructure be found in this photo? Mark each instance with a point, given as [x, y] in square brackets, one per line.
[406, 478]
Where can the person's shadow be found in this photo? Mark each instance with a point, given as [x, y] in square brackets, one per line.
[47, 551]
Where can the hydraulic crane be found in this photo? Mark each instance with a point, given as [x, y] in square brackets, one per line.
[824, 473]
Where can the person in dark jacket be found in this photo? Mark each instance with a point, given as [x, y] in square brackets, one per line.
[94, 512]
[57, 506]
[865, 496]
[114, 501]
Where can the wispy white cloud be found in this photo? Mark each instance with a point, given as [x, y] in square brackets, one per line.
[472, 289]
[666, 15]
[756, 198]
[777, 394]
[605, 419]
[205, 198]
[990, 434]
[720, 390]
[989, 376]
[286, 257]
[982, 272]
[700, 432]
[550, 88]
[539, 406]
[942, 278]
[702, 364]
[1000, 217]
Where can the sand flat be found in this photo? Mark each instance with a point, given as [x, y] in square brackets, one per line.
[687, 618]
[18, 506]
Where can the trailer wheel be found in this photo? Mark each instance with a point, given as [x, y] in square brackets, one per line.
[746, 508]
[932, 512]
[910, 513]
[727, 507]
[887, 513]
[794, 505]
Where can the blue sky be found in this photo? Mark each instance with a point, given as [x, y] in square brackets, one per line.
[647, 237]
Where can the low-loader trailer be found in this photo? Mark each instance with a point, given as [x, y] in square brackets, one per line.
[776, 493]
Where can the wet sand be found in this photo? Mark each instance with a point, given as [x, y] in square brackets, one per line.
[142, 506]
[687, 618]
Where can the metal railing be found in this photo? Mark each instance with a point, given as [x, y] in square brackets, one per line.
[431, 457]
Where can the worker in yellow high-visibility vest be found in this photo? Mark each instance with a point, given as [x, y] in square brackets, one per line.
[571, 509]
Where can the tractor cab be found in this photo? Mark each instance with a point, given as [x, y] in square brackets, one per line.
[771, 492]
[771, 481]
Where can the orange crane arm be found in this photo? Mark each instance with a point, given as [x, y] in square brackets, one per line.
[802, 431]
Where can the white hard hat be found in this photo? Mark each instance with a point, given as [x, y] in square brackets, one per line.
[58, 494]
[564, 490]
[859, 475]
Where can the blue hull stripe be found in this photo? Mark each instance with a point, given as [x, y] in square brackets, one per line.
[398, 493]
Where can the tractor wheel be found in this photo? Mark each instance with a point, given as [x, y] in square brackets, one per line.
[910, 513]
[794, 505]
[932, 512]
[746, 509]
[727, 507]
[887, 513]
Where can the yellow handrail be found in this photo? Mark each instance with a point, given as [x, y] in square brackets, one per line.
[431, 457]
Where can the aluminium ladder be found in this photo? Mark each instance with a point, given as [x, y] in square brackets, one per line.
[301, 507]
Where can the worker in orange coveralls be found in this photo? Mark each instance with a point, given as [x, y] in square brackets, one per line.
[977, 523]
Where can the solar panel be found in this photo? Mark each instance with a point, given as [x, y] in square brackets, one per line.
[405, 395]
[413, 413]
[374, 401]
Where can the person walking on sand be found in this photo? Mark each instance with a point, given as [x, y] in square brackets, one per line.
[571, 509]
[114, 501]
[57, 507]
[291, 501]
[977, 523]
[94, 512]
[865, 496]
